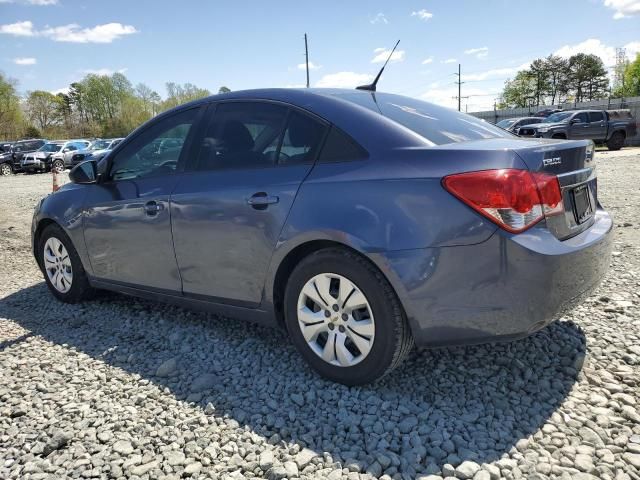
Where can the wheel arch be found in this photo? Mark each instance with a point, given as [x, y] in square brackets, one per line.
[40, 226]
[298, 253]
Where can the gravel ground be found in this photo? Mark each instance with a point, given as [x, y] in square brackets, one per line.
[123, 388]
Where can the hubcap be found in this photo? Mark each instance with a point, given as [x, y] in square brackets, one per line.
[5, 169]
[336, 320]
[58, 167]
[57, 264]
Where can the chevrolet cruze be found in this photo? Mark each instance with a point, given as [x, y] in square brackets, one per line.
[362, 223]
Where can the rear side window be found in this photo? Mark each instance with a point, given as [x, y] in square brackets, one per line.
[596, 117]
[340, 147]
[301, 139]
[437, 125]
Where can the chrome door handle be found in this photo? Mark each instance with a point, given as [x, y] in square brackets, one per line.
[152, 208]
[261, 200]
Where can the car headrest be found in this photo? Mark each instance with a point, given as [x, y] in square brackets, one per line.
[302, 132]
[235, 137]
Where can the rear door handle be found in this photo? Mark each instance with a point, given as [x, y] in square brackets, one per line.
[261, 200]
[152, 208]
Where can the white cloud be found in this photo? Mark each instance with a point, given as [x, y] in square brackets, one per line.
[32, 2]
[25, 61]
[427, 61]
[64, 90]
[379, 18]
[422, 15]
[623, 8]
[481, 52]
[103, 71]
[480, 99]
[106, 33]
[494, 73]
[382, 54]
[596, 47]
[344, 80]
[312, 66]
[450, 60]
[18, 29]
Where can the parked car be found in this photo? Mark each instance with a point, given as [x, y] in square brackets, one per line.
[55, 155]
[512, 124]
[360, 222]
[63, 158]
[10, 159]
[601, 126]
[98, 149]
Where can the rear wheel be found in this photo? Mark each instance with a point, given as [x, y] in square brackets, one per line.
[344, 317]
[57, 166]
[5, 169]
[61, 265]
[616, 142]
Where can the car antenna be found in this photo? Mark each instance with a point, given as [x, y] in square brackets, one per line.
[372, 86]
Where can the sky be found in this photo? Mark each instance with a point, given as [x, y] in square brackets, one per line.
[47, 44]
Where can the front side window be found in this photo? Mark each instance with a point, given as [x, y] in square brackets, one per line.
[155, 151]
[581, 118]
[242, 135]
[596, 117]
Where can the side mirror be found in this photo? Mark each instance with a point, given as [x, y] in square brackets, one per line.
[84, 173]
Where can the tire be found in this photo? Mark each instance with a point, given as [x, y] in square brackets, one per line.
[616, 142]
[5, 169]
[372, 355]
[77, 284]
[57, 166]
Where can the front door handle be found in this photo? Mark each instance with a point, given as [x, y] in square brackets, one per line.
[152, 208]
[261, 200]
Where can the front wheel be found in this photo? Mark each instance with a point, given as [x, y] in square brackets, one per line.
[57, 166]
[344, 317]
[5, 169]
[61, 265]
[616, 142]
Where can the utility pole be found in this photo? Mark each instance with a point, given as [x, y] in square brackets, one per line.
[306, 56]
[459, 82]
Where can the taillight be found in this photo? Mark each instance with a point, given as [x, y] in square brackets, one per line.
[514, 199]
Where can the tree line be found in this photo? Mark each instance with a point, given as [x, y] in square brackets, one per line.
[554, 80]
[96, 106]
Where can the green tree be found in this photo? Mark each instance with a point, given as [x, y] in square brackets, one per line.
[178, 94]
[10, 113]
[520, 91]
[43, 109]
[587, 79]
[224, 89]
[557, 75]
[631, 84]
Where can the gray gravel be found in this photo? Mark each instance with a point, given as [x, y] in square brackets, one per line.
[123, 388]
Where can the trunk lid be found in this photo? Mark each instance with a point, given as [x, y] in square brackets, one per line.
[572, 162]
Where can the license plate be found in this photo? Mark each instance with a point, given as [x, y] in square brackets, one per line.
[581, 204]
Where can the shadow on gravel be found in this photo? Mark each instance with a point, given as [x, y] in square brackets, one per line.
[441, 406]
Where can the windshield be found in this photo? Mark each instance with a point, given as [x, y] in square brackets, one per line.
[437, 125]
[505, 123]
[557, 117]
[100, 145]
[50, 147]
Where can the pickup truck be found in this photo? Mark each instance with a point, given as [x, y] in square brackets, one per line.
[609, 127]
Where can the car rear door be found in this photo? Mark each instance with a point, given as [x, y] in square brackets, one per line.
[127, 223]
[228, 213]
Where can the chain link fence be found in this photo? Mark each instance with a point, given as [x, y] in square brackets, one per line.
[631, 103]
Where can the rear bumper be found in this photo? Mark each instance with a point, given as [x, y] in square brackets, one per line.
[504, 288]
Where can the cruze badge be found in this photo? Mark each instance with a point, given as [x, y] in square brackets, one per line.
[551, 161]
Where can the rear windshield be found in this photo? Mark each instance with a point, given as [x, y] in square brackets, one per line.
[438, 125]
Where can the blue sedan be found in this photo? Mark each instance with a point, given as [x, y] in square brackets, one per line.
[361, 223]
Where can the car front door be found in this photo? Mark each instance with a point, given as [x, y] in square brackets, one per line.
[597, 126]
[227, 215]
[579, 126]
[127, 224]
